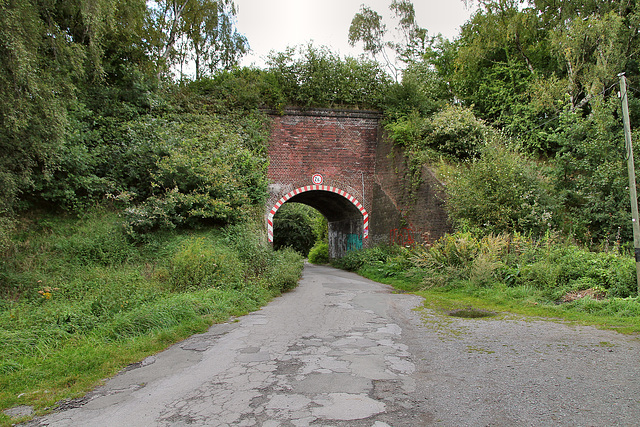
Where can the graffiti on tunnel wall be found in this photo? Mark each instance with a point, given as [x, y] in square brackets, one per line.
[408, 237]
[354, 242]
[402, 236]
[342, 243]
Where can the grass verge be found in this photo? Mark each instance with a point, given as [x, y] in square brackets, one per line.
[80, 301]
[548, 274]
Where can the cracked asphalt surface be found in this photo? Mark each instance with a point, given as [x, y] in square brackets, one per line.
[341, 350]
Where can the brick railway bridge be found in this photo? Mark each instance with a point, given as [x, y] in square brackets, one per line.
[341, 163]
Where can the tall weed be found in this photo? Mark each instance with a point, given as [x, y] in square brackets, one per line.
[550, 266]
[284, 270]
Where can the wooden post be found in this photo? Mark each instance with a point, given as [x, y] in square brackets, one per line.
[632, 175]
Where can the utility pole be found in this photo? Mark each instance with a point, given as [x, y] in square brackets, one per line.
[632, 174]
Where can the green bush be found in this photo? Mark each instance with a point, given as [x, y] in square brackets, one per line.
[590, 176]
[212, 172]
[567, 268]
[203, 264]
[551, 266]
[502, 192]
[462, 256]
[354, 260]
[293, 226]
[319, 253]
[284, 270]
[454, 131]
[316, 77]
[236, 89]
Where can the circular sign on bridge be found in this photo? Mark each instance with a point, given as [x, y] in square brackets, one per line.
[317, 179]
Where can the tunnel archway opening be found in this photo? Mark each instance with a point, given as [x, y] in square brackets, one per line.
[300, 227]
[348, 221]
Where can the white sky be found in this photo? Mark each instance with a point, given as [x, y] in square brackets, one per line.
[277, 24]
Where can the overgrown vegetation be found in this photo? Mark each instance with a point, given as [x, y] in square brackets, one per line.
[520, 118]
[520, 113]
[296, 226]
[129, 194]
[303, 229]
[80, 300]
[548, 276]
[319, 253]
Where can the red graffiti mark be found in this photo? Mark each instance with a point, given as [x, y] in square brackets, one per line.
[402, 236]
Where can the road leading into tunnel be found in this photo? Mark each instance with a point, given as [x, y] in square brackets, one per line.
[341, 350]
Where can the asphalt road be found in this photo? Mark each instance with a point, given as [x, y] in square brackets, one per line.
[341, 350]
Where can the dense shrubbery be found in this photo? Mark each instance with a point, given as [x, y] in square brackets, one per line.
[209, 174]
[316, 77]
[319, 253]
[293, 227]
[545, 271]
[453, 131]
[384, 259]
[502, 191]
[533, 78]
[547, 264]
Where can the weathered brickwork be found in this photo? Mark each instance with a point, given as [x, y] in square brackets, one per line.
[402, 214]
[364, 193]
[339, 145]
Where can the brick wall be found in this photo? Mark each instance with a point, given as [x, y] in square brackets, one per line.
[339, 145]
[404, 215]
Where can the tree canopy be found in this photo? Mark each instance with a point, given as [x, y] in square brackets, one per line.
[537, 80]
[96, 104]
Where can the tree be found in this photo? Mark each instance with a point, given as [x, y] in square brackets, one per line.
[521, 63]
[48, 50]
[415, 41]
[203, 29]
[502, 51]
[367, 27]
[500, 192]
[590, 176]
[593, 52]
[294, 226]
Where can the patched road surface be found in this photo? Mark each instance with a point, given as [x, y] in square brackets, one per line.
[341, 350]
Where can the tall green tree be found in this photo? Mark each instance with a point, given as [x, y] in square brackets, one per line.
[367, 27]
[47, 51]
[521, 63]
[199, 30]
[503, 52]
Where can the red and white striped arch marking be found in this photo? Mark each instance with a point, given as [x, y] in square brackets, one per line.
[297, 191]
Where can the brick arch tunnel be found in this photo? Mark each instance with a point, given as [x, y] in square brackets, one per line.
[347, 219]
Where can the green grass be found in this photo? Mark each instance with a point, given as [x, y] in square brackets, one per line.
[79, 302]
[622, 315]
[511, 273]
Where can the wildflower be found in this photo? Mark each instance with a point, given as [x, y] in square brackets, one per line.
[47, 292]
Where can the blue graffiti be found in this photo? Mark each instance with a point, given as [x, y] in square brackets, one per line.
[354, 242]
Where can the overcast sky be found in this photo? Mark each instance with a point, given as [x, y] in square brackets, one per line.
[276, 24]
